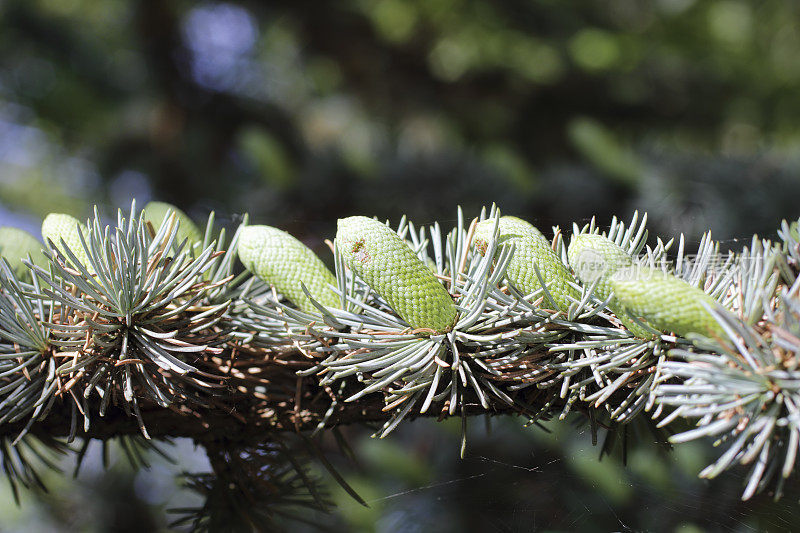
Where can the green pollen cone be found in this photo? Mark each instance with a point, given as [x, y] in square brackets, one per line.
[595, 257]
[156, 213]
[283, 261]
[530, 248]
[666, 302]
[386, 263]
[15, 245]
[58, 226]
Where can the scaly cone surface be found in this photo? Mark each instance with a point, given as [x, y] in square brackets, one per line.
[386, 263]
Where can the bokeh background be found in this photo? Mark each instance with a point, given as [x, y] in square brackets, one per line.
[300, 112]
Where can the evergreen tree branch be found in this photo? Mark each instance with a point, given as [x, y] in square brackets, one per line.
[148, 328]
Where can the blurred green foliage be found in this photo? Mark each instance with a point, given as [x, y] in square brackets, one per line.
[303, 111]
[296, 110]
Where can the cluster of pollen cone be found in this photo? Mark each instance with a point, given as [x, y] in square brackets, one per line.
[152, 312]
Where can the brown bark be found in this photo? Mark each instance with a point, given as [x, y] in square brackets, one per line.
[242, 415]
